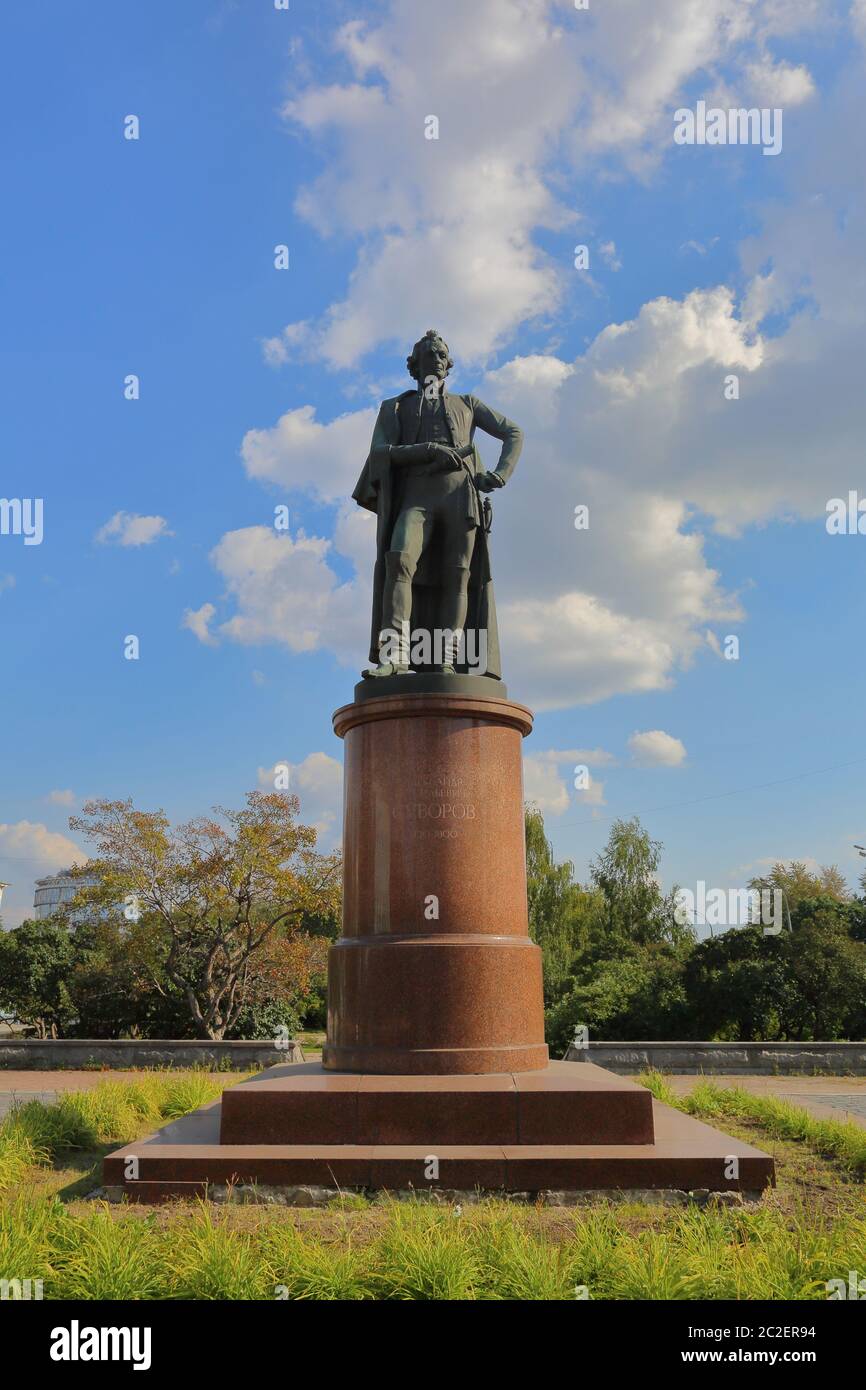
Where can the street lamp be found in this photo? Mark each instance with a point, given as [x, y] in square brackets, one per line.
[862, 850]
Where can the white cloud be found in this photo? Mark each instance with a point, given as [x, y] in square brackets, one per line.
[447, 225]
[548, 779]
[7, 581]
[655, 748]
[33, 843]
[637, 427]
[285, 591]
[317, 782]
[778, 84]
[62, 798]
[29, 850]
[198, 620]
[301, 452]
[130, 529]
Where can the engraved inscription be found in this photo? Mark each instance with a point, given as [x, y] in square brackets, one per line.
[438, 808]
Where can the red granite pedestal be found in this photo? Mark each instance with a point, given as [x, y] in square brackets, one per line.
[435, 973]
[435, 1047]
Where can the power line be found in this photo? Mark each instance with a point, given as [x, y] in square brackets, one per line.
[719, 796]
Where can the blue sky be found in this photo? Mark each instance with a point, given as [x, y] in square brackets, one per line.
[155, 257]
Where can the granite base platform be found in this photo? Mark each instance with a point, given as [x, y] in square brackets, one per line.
[567, 1127]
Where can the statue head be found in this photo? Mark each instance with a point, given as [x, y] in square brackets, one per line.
[430, 357]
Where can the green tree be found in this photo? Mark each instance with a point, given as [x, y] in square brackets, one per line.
[799, 884]
[636, 911]
[36, 962]
[808, 983]
[637, 995]
[117, 990]
[739, 988]
[211, 901]
[558, 908]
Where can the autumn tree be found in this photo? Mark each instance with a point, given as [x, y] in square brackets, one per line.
[216, 905]
[799, 884]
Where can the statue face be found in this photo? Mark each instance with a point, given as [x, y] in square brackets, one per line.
[433, 360]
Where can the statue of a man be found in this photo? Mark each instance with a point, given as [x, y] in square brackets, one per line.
[424, 479]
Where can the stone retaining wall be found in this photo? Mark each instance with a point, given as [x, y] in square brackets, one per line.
[625, 1058]
[727, 1058]
[34, 1054]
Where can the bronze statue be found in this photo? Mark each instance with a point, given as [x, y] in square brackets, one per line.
[424, 479]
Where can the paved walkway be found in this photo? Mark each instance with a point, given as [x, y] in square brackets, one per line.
[826, 1097]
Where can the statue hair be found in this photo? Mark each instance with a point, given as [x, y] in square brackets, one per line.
[414, 358]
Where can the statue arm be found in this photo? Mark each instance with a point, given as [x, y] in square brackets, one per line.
[511, 435]
[372, 477]
[385, 452]
[410, 453]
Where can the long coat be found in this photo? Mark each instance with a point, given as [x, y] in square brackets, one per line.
[379, 489]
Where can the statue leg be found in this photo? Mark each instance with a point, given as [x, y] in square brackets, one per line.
[411, 533]
[458, 545]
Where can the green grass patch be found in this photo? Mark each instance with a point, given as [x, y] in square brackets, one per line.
[811, 1229]
[424, 1252]
[842, 1141]
[114, 1112]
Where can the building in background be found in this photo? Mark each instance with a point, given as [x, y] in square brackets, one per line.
[56, 890]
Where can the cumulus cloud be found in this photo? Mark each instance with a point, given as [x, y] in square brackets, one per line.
[778, 84]
[300, 451]
[447, 225]
[655, 748]
[198, 621]
[62, 798]
[29, 850]
[317, 782]
[285, 591]
[636, 428]
[130, 529]
[549, 779]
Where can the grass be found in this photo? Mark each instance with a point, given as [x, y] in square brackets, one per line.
[111, 1113]
[843, 1141]
[810, 1229]
[424, 1252]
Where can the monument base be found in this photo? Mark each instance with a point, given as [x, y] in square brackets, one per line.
[569, 1127]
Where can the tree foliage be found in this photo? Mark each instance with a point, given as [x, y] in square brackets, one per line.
[214, 908]
[624, 968]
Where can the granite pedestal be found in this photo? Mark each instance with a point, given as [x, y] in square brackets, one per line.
[435, 1046]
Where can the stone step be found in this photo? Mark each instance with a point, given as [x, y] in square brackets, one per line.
[563, 1103]
[686, 1155]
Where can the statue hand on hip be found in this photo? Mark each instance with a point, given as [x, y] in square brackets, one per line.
[488, 482]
